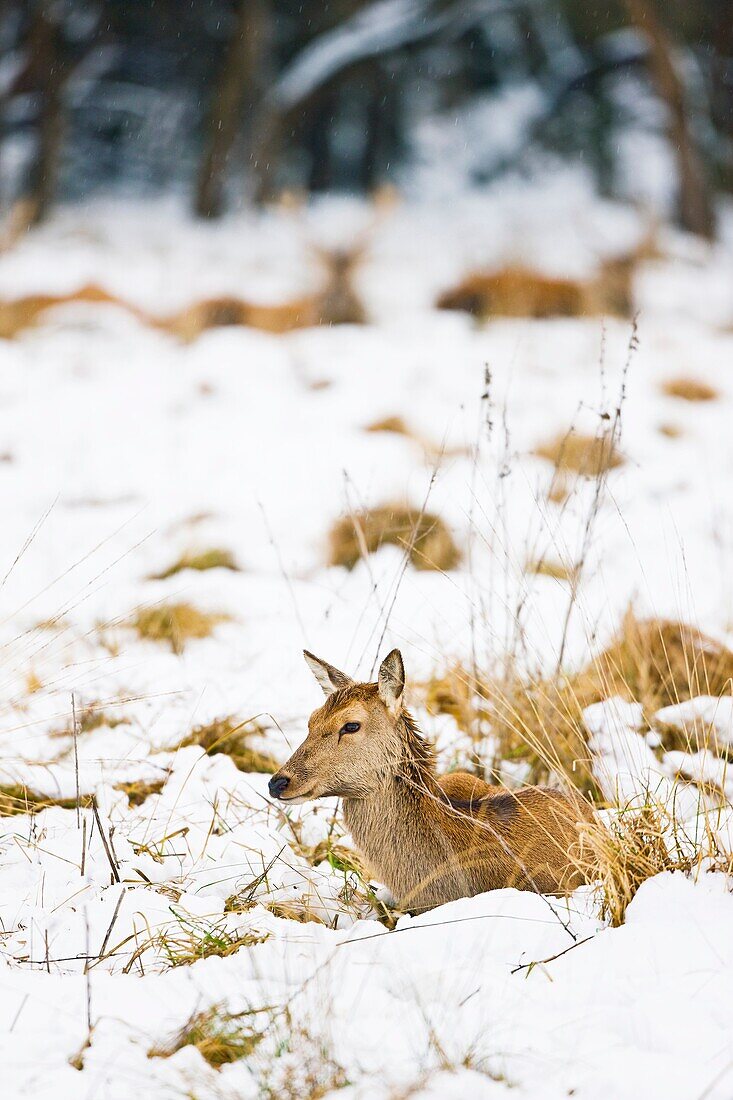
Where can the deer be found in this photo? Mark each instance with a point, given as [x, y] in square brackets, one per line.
[430, 839]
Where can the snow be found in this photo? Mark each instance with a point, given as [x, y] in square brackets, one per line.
[127, 448]
[709, 710]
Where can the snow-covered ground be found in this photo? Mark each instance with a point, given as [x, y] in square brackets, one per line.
[123, 448]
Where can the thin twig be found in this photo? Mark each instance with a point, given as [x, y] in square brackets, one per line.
[105, 941]
[83, 847]
[88, 981]
[551, 958]
[17, 1014]
[115, 872]
[74, 730]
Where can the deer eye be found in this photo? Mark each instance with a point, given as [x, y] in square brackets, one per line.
[350, 727]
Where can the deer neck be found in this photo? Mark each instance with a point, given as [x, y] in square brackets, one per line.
[405, 829]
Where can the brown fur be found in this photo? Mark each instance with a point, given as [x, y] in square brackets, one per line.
[429, 840]
[335, 304]
[20, 313]
[521, 292]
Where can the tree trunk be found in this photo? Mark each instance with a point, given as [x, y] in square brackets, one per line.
[321, 115]
[238, 78]
[265, 149]
[47, 64]
[695, 206]
[721, 79]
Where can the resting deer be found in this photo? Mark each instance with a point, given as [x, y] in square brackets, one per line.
[429, 839]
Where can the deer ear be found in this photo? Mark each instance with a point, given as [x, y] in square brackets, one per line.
[328, 677]
[391, 682]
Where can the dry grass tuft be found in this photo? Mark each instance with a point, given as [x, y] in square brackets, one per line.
[691, 737]
[657, 662]
[90, 717]
[219, 1037]
[670, 431]
[137, 790]
[635, 845]
[536, 722]
[433, 452]
[230, 736]
[554, 569]
[689, 389]
[54, 624]
[559, 489]
[199, 939]
[17, 799]
[458, 694]
[288, 910]
[539, 722]
[423, 535]
[587, 455]
[341, 858]
[393, 424]
[200, 561]
[174, 623]
[305, 1066]
[33, 682]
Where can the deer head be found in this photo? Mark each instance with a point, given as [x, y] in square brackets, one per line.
[353, 745]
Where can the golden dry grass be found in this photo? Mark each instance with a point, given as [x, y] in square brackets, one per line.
[559, 489]
[423, 535]
[539, 722]
[196, 938]
[89, 717]
[33, 682]
[689, 389]
[554, 569]
[458, 693]
[175, 624]
[288, 910]
[17, 799]
[53, 624]
[231, 736]
[634, 845]
[536, 721]
[392, 424]
[306, 1067]
[220, 1037]
[691, 737]
[670, 431]
[651, 661]
[657, 662]
[137, 790]
[200, 561]
[587, 455]
[434, 453]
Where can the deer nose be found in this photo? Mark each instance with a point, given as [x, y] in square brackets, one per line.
[277, 785]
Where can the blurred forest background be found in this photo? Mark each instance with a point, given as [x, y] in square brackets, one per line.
[232, 101]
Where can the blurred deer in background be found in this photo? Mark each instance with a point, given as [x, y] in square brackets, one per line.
[429, 839]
